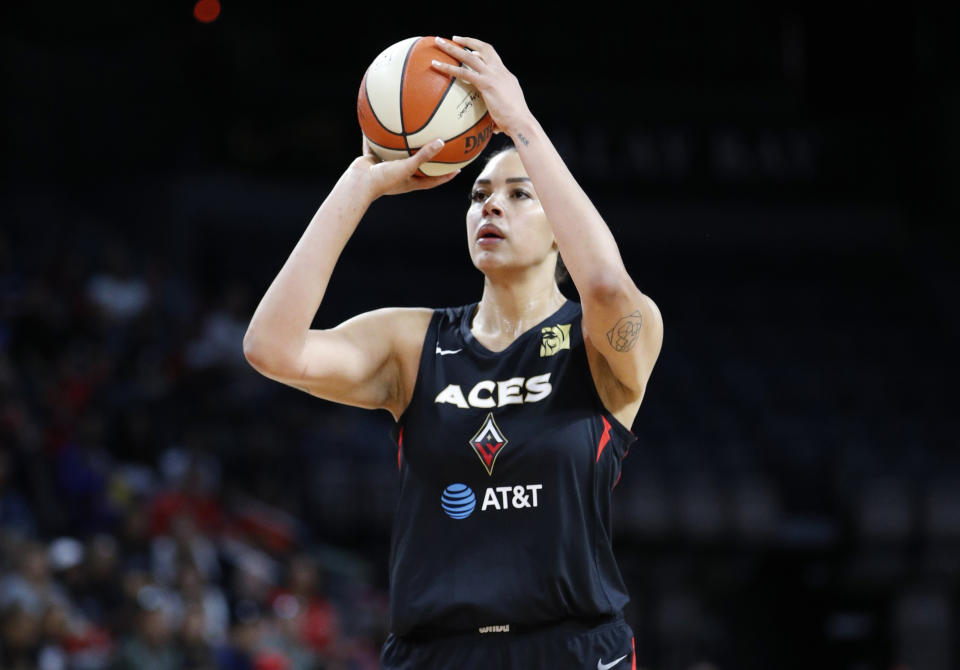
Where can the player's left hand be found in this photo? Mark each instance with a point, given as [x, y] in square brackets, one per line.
[483, 68]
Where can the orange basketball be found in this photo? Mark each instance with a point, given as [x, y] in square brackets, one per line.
[404, 103]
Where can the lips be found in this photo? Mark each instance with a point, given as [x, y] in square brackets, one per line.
[489, 231]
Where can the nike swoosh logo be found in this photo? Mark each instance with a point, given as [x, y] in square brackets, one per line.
[447, 352]
[606, 666]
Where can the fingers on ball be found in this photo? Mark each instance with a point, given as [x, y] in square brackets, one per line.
[473, 44]
[459, 51]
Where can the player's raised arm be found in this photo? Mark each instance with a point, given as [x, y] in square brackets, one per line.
[363, 361]
[621, 323]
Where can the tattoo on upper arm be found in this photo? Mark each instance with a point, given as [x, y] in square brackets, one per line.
[625, 332]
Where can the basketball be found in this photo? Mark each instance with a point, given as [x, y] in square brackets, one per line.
[404, 103]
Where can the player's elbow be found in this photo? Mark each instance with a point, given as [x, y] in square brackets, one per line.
[609, 288]
[254, 351]
[262, 356]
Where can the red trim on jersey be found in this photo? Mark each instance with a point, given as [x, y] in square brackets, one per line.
[399, 446]
[633, 650]
[603, 438]
[621, 469]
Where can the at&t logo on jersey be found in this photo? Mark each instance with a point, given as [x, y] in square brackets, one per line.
[511, 497]
[458, 500]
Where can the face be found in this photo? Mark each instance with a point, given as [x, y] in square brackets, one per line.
[506, 225]
[36, 565]
[155, 627]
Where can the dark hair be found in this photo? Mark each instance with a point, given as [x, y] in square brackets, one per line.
[560, 274]
[505, 145]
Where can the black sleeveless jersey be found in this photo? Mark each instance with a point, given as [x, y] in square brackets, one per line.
[507, 463]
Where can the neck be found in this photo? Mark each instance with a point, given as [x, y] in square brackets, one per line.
[509, 307]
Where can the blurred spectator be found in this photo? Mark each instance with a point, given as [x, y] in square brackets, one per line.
[116, 291]
[98, 589]
[303, 600]
[133, 579]
[239, 650]
[186, 517]
[66, 559]
[184, 544]
[254, 575]
[220, 343]
[20, 641]
[135, 542]
[205, 600]
[285, 636]
[152, 645]
[52, 655]
[72, 642]
[82, 473]
[198, 652]
[190, 490]
[31, 588]
[15, 514]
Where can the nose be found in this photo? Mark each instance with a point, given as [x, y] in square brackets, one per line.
[491, 206]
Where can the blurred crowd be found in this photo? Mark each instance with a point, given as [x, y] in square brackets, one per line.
[162, 505]
[134, 532]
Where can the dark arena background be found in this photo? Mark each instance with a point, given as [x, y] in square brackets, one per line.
[783, 182]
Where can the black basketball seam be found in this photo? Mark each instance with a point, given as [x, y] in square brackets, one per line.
[382, 146]
[403, 76]
[479, 121]
[434, 160]
[434, 112]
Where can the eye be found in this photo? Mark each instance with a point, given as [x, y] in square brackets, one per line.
[520, 193]
[477, 196]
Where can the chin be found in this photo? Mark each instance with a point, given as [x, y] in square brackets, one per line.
[487, 261]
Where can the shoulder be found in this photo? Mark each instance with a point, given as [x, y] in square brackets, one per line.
[392, 331]
[455, 314]
[406, 326]
[420, 318]
[410, 327]
[408, 323]
[396, 320]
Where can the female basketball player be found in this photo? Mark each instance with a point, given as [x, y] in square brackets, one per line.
[512, 413]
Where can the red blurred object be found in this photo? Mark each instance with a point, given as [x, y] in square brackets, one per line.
[272, 528]
[91, 637]
[206, 11]
[271, 660]
[321, 625]
[204, 510]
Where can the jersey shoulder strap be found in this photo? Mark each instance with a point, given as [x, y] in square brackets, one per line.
[439, 340]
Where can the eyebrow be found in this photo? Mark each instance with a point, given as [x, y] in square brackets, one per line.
[510, 180]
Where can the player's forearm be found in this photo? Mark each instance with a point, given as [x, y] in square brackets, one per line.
[279, 326]
[586, 244]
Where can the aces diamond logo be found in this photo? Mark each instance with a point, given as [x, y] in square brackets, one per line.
[488, 442]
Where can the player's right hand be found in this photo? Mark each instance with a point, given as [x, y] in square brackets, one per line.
[398, 176]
